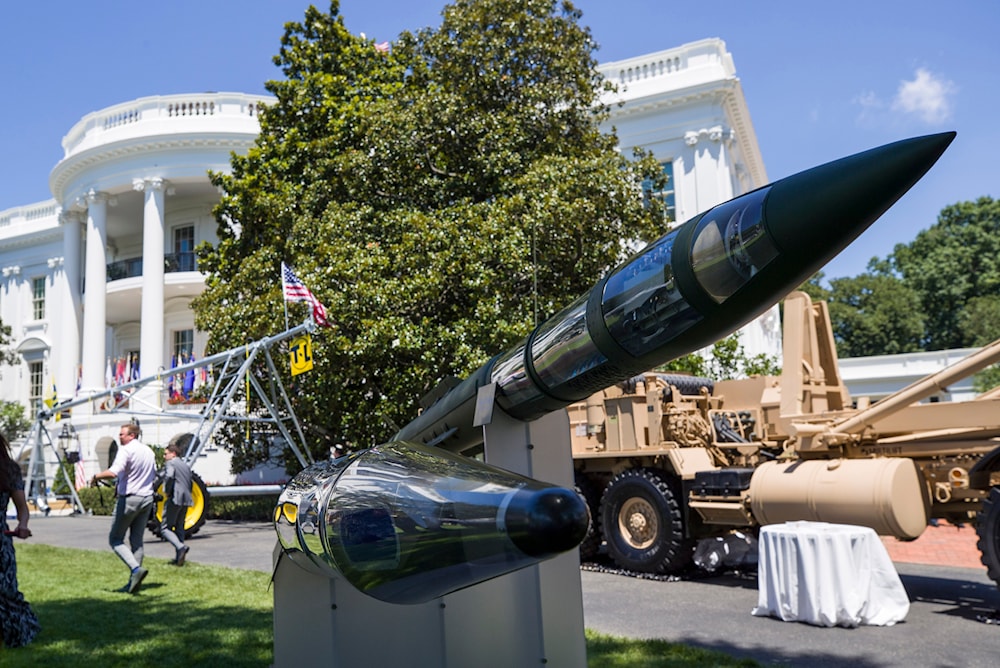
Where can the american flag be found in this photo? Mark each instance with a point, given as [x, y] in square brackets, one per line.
[81, 477]
[296, 291]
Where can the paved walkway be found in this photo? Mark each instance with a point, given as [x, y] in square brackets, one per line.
[944, 626]
[943, 545]
[228, 543]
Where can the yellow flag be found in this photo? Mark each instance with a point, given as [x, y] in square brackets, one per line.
[50, 400]
[300, 351]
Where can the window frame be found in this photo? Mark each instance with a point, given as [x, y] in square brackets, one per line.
[38, 294]
[36, 385]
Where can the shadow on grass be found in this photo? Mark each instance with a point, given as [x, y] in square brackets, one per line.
[89, 632]
[181, 617]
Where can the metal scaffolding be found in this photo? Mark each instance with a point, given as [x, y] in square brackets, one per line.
[231, 370]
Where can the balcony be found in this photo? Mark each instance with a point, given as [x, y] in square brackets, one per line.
[132, 267]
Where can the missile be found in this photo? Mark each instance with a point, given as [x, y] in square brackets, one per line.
[406, 523]
[693, 286]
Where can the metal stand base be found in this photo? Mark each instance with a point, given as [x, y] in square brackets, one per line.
[531, 617]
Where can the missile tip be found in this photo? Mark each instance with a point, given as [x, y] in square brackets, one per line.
[548, 521]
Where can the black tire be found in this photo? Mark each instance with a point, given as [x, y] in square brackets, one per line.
[642, 524]
[988, 529]
[588, 491]
[197, 512]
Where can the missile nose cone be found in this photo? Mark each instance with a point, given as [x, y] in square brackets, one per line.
[547, 521]
[817, 213]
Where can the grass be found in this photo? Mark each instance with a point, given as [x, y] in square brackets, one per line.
[184, 617]
[610, 652]
[204, 615]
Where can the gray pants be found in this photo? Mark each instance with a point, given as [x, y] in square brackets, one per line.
[131, 514]
[173, 524]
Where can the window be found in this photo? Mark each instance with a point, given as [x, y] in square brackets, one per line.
[38, 298]
[184, 247]
[183, 346]
[666, 195]
[37, 376]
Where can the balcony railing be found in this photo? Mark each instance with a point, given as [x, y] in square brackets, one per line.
[159, 112]
[125, 269]
[180, 262]
[132, 267]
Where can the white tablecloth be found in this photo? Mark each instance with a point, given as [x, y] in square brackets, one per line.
[827, 575]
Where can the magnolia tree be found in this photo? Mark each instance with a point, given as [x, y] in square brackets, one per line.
[439, 197]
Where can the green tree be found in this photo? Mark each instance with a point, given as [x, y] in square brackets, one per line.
[950, 265]
[13, 419]
[439, 199]
[875, 314]
[7, 355]
[815, 289]
[728, 359]
[13, 415]
[981, 322]
[986, 379]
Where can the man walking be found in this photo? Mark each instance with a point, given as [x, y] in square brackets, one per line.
[177, 490]
[135, 469]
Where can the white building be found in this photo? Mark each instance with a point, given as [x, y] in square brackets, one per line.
[100, 278]
[686, 106]
[878, 376]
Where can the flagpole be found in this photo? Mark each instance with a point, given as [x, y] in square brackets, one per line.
[284, 299]
[293, 289]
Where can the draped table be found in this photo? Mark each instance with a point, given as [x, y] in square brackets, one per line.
[827, 575]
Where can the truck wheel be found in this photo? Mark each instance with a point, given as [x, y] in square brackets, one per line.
[641, 522]
[988, 528]
[196, 514]
[588, 491]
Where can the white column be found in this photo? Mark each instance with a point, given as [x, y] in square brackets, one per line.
[69, 318]
[95, 295]
[713, 182]
[151, 324]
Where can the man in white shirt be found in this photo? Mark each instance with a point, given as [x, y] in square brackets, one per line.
[135, 469]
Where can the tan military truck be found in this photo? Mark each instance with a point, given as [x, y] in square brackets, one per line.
[666, 460]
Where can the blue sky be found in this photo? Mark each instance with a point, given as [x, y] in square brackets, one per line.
[822, 80]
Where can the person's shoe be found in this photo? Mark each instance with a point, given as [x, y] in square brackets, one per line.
[181, 555]
[134, 582]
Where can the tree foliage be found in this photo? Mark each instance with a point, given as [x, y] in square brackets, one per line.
[727, 359]
[14, 419]
[439, 199]
[875, 314]
[941, 290]
[8, 357]
[953, 266]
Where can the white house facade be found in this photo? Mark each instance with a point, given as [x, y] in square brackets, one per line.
[686, 106]
[97, 282]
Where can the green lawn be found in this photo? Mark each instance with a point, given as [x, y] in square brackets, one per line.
[202, 616]
[192, 616]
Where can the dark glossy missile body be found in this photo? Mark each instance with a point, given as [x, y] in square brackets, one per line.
[405, 523]
[693, 286]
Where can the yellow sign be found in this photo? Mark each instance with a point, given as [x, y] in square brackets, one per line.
[301, 354]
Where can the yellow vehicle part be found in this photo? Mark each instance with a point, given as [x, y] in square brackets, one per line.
[196, 513]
